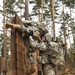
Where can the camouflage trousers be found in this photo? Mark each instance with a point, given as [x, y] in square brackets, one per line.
[48, 69]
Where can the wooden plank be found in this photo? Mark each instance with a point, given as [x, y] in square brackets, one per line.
[13, 19]
[19, 49]
[20, 72]
[18, 35]
[13, 52]
[12, 25]
[20, 65]
[18, 43]
[20, 60]
[2, 64]
[20, 54]
[22, 43]
[18, 39]
[36, 53]
[18, 20]
[19, 57]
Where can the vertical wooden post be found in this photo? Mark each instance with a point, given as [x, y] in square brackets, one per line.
[13, 52]
[13, 49]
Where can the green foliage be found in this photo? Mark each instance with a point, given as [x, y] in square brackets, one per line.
[65, 19]
[38, 3]
[21, 1]
[47, 6]
[71, 55]
[68, 3]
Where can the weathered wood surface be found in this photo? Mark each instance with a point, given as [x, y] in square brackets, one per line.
[13, 69]
[37, 66]
[2, 64]
[11, 25]
[19, 59]
[20, 49]
[18, 20]
[13, 52]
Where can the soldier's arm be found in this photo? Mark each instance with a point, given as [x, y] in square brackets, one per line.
[33, 42]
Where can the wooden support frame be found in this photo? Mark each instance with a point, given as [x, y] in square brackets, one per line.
[13, 52]
[15, 64]
[15, 21]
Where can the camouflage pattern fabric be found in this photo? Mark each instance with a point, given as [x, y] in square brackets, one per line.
[49, 51]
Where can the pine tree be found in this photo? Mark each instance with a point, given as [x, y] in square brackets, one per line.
[26, 10]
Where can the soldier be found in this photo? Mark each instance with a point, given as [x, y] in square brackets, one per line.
[40, 39]
[45, 54]
[43, 57]
[49, 50]
[48, 53]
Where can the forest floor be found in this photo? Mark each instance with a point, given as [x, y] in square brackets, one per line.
[66, 70]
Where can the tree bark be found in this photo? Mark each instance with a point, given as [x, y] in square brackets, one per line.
[42, 10]
[39, 15]
[65, 48]
[53, 19]
[72, 26]
[4, 21]
[26, 10]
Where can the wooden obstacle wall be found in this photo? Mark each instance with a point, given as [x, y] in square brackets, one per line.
[21, 55]
[19, 59]
[17, 51]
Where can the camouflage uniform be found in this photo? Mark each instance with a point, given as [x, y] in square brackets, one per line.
[49, 54]
[48, 49]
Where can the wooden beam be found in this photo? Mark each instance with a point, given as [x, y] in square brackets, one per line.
[18, 20]
[11, 25]
[13, 52]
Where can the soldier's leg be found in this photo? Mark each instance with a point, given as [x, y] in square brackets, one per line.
[48, 69]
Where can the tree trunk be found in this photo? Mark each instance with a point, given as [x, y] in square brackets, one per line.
[53, 19]
[72, 26]
[26, 10]
[42, 10]
[65, 42]
[4, 52]
[65, 48]
[39, 15]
